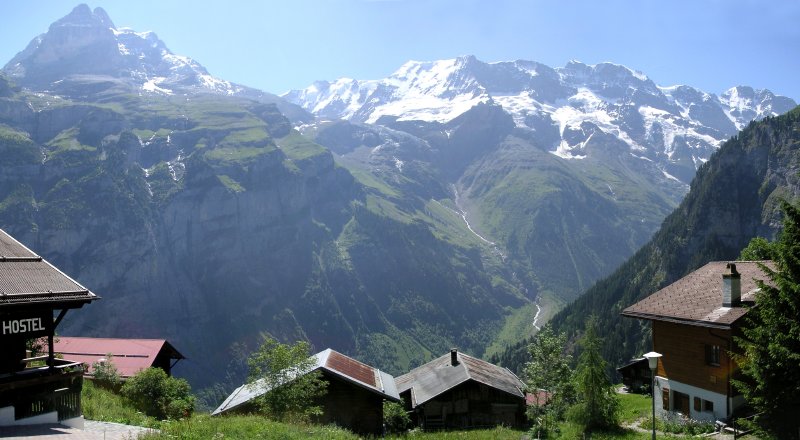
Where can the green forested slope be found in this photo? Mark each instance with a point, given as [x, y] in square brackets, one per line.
[733, 198]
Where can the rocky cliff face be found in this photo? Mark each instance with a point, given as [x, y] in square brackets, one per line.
[568, 170]
[212, 229]
[206, 219]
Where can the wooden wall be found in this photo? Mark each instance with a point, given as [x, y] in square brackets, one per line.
[684, 355]
[351, 406]
[472, 405]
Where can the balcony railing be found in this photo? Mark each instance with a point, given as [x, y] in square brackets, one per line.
[40, 389]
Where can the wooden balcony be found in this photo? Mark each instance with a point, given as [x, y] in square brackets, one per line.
[40, 389]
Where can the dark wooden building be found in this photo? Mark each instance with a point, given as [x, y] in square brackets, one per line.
[695, 321]
[129, 356]
[34, 298]
[636, 375]
[354, 397]
[457, 391]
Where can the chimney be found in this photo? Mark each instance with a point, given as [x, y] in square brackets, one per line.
[454, 356]
[731, 287]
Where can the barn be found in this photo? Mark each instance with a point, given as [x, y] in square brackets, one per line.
[457, 391]
[354, 398]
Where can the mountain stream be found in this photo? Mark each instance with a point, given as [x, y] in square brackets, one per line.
[463, 213]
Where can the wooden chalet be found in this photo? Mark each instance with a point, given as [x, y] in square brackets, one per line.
[636, 375]
[457, 391]
[32, 292]
[129, 356]
[694, 322]
[354, 397]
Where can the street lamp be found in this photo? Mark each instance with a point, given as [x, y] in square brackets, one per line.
[652, 360]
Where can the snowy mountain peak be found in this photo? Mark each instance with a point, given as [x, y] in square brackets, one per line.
[85, 44]
[82, 15]
[570, 110]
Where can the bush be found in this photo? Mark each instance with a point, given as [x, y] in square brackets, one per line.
[158, 395]
[106, 374]
[395, 417]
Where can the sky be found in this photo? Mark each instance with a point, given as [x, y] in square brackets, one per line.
[288, 44]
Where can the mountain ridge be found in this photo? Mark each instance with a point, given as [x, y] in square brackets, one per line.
[197, 210]
[734, 198]
[206, 218]
[684, 125]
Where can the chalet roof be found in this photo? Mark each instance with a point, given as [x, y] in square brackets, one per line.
[26, 279]
[129, 355]
[439, 375]
[696, 299]
[635, 363]
[328, 361]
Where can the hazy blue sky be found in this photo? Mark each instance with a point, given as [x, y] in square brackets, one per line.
[279, 45]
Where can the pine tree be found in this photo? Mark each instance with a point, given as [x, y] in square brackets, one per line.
[598, 404]
[770, 341]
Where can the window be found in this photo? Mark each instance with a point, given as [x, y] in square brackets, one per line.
[708, 406]
[680, 402]
[712, 355]
[697, 404]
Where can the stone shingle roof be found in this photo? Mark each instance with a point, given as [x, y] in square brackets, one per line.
[439, 376]
[696, 299]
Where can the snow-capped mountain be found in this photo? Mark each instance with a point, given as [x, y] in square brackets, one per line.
[677, 127]
[86, 44]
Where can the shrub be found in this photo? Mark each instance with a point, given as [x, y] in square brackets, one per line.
[156, 394]
[106, 374]
[395, 417]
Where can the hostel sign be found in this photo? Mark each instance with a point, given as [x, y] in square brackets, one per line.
[26, 326]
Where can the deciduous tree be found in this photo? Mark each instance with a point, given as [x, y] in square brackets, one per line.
[286, 372]
[549, 370]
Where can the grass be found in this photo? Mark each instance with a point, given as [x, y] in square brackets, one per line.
[298, 147]
[499, 433]
[103, 405]
[634, 407]
[571, 431]
[230, 183]
[519, 324]
[66, 141]
[230, 155]
[244, 427]
[255, 427]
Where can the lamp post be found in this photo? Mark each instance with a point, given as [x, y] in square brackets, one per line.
[652, 360]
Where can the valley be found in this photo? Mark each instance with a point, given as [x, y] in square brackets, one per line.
[455, 203]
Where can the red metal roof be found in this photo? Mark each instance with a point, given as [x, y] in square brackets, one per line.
[330, 362]
[537, 398]
[351, 367]
[129, 355]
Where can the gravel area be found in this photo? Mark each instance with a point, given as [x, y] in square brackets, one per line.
[93, 430]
